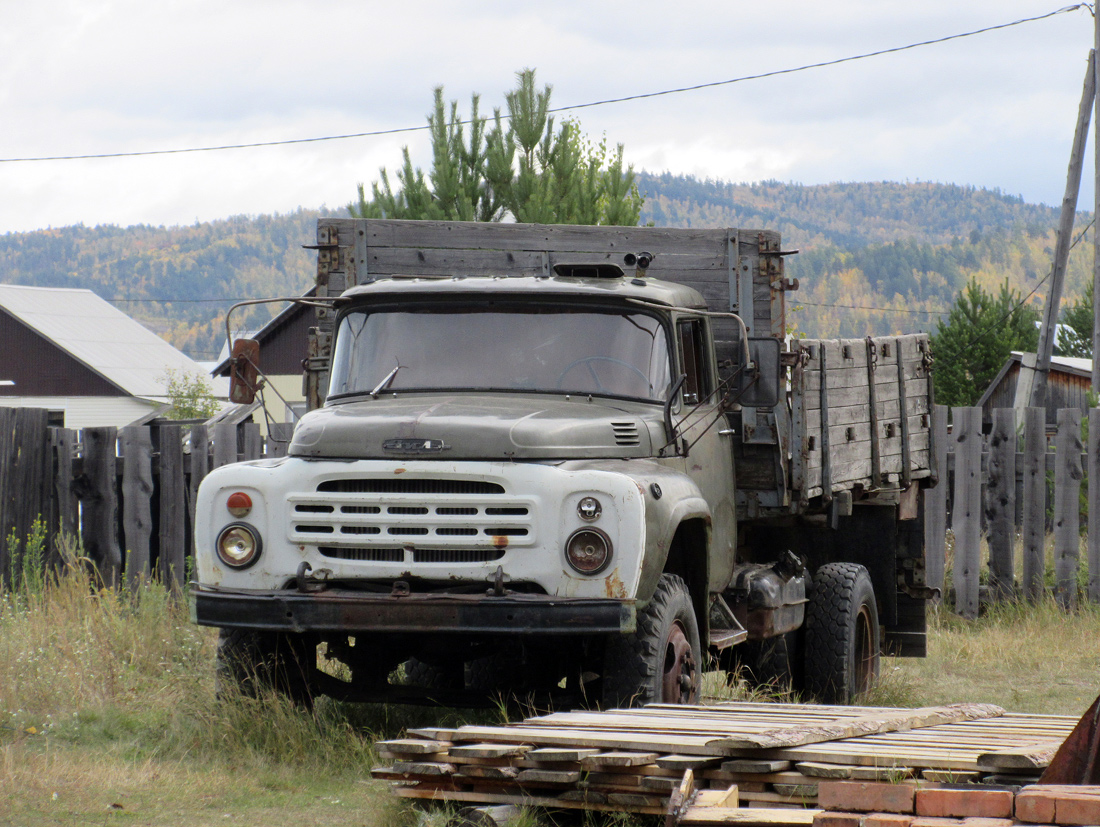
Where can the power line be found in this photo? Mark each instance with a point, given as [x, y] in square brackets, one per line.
[604, 102]
[879, 309]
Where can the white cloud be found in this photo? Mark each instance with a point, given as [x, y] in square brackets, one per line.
[77, 77]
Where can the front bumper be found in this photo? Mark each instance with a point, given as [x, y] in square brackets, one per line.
[349, 612]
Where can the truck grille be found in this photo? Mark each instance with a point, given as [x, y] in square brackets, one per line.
[416, 555]
[388, 520]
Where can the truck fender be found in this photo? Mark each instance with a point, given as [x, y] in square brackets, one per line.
[663, 522]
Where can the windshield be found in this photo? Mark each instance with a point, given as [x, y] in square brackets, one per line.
[521, 348]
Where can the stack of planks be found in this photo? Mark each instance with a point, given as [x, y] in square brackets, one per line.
[742, 763]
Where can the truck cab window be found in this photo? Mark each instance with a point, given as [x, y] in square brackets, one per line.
[534, 347]
[692, 354]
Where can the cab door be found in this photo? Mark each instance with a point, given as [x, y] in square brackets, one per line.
[702, 427]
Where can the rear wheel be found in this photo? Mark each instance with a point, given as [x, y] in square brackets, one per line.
[252, 663]
[842, 634]
[661, 662]
[774, 663]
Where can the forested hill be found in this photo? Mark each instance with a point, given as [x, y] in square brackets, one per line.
[875, 257]
[880, 257]
[177, 281]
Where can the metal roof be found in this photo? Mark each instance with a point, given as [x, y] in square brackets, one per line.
[99, 335]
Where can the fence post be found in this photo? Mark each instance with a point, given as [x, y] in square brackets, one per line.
[1033, 529]
[225, 444]
[173, 507]
[1000, 510]
[100, 503]
[9, 453]
[1094, 506]
[278, 438]
[1067, 505]
[935, 506]
[966, 512]
[200, 466]
[137, 507]
[66, 504]
[253, 440]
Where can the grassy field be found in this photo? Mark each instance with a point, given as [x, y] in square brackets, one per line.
[108, 717]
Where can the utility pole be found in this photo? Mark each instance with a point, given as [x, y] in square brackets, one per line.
[1095, 218]
[1065, 230]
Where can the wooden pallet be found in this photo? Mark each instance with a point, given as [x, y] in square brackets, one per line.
[744, 756]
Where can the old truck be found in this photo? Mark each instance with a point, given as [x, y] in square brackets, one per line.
[570, 461]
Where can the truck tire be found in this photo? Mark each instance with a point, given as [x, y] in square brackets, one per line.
[774, 664]
[842, 634]
[254, 663]
[661, 662]
[431, 675]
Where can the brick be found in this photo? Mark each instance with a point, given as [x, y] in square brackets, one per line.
[838, 820]
[865, 797]
[887, 820]
[1076, 809]
[1035, 806]
[963, 803]
[988, 822]
[932, 821]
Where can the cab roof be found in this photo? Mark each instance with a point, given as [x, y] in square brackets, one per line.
[651, 290]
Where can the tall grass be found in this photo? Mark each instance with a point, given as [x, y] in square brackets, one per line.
[104, 690]
[116, 688]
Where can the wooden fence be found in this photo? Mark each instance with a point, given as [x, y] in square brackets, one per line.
[129, 493]
[119, 489]
[1006, 484]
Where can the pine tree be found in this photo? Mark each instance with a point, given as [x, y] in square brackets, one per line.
[1075, 335]
[520, 169]
[980, 333]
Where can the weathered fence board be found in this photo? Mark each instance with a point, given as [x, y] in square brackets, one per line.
[137, 510]
[935, 506]
[172, 526]
[1000, 500]
[966, 512]
[1034, 508]
[1067, 504]
[99, 503]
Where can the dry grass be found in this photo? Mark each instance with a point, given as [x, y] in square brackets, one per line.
[107, 715]
[107, 710]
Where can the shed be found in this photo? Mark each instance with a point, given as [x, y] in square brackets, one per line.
[76, 355]
[1068, 384]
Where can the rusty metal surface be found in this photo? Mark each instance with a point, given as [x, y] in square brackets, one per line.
[1076, 760]
[344, 611]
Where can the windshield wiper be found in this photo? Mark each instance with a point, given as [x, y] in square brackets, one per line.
[381, 386]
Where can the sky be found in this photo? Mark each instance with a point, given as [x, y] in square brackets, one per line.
[80, 77]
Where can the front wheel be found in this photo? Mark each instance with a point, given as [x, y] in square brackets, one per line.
[661, 662]
[253, 663]
[842, 634]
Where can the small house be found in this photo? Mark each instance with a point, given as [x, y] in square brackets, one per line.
[79, 357]
[1068, 385]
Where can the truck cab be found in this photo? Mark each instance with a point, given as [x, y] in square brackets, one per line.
[504, 468]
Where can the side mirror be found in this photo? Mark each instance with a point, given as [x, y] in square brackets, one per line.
[244, 371]
[757, 387]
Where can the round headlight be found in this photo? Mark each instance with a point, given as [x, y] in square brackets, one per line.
[238, 545]
[588, 550]
[589, 509]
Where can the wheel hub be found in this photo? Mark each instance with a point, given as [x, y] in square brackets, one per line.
[679, 681]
